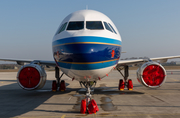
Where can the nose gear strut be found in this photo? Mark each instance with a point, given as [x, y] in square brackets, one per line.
[88, 104]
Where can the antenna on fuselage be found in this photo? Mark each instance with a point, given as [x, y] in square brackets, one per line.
[86, 7]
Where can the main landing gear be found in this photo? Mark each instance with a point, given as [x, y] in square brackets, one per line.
[56, 83]
[88, 105]
[126, 82]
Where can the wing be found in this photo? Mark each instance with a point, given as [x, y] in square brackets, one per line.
[137, 61]
[21, 62]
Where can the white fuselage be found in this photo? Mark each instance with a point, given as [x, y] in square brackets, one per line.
[87, 45]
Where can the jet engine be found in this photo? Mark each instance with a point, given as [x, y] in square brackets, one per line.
[151, 74]
[31, 77]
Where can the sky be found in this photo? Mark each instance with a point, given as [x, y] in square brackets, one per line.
[147, 27]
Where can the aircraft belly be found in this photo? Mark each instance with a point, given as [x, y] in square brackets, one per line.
[87, 75]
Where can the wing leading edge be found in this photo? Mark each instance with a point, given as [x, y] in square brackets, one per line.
[136, 61]
[21, 62]
[120, 63]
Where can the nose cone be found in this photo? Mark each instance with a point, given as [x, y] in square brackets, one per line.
[84, 55]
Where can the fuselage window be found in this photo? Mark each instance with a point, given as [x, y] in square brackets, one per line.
[75, 25]
[107, 27]
[112, 28]
[94, 25]
[62, 28]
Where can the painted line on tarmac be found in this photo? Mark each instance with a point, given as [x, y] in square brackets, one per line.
[63, 116]
[174, 79]
[69, 98]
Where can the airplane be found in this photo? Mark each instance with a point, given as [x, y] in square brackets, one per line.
[87, 47]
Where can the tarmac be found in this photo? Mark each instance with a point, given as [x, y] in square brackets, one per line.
[141, 102]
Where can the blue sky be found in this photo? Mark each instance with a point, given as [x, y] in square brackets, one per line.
[147, 27]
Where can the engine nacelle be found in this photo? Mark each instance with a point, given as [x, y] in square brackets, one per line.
[31, 77]
[151, 74]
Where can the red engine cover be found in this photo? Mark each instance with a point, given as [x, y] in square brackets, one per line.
[151, 74]
[31, 77]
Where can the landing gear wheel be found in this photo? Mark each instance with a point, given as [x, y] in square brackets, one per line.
[92, 107]
[83, 106]
[62, 86]
[54, 85]
[88, 105]
[121, 85]
[130, 85]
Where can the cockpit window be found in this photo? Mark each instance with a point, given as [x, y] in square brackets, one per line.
[62, 28]
[112, 28]
[94, 25]
[75, 25]
[107, 27]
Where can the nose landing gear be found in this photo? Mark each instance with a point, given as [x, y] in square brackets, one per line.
[88, 105]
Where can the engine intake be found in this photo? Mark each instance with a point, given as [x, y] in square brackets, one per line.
[31, 77]
[151, 74]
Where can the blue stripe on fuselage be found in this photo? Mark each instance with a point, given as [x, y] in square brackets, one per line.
[87, 66]
[88, 56]
[86, 52]
[86, 39]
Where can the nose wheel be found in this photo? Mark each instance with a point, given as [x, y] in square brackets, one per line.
[88, 105]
